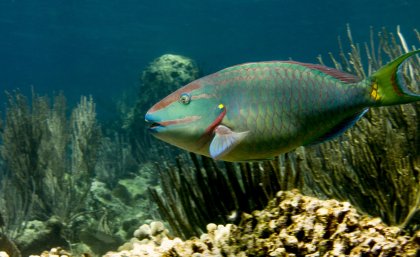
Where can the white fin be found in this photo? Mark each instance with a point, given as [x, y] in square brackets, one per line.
[224, 141]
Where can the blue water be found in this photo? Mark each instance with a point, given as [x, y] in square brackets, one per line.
[99, 47]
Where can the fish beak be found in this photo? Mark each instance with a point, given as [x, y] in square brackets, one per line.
[152, 123]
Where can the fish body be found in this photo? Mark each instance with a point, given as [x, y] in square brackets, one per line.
[258, 110]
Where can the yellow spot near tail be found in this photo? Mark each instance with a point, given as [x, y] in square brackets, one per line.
[221, 106]
[374, 93]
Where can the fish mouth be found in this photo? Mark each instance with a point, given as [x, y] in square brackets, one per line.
[159, 126]
[153, 125]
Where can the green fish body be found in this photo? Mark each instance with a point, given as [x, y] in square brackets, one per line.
[258, 110]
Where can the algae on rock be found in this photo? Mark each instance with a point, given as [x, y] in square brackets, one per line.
[164, 75]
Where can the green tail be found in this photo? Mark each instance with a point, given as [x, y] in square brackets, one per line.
[389, 87]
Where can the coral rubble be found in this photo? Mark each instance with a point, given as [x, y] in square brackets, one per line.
[291, 225]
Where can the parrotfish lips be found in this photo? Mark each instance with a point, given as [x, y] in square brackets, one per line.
[154, 125]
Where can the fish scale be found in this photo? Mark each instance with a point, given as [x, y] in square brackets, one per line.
[289, 97]
[257, 110]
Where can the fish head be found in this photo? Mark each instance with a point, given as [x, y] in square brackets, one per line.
[187, 117]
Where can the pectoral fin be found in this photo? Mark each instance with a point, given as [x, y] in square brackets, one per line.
[224, 141]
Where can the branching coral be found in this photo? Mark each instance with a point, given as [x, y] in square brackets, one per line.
[62, 173]
[21, 140]
[40, 179]
[86, 137]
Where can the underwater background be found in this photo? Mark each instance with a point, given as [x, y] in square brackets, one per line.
[79, 174]
[99, 47]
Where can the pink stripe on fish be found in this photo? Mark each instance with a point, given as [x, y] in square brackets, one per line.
[202, 96]
[209, 130]
[174, 96]
[216, 122]
[180, 121]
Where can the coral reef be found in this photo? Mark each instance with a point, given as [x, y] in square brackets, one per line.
[197, 191]
[291, 225]
[38, 180]
[54, 252]
[67, 170]
[39, 235]
[164, 75]
[167, 73]
[55, 168]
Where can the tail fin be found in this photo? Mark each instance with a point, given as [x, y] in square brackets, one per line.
[388, 85]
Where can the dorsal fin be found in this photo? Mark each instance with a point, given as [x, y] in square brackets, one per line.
[341, 75]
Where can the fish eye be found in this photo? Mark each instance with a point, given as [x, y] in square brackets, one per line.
[185, 98]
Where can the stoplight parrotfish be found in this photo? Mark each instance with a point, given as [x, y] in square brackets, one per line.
[256, 111]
